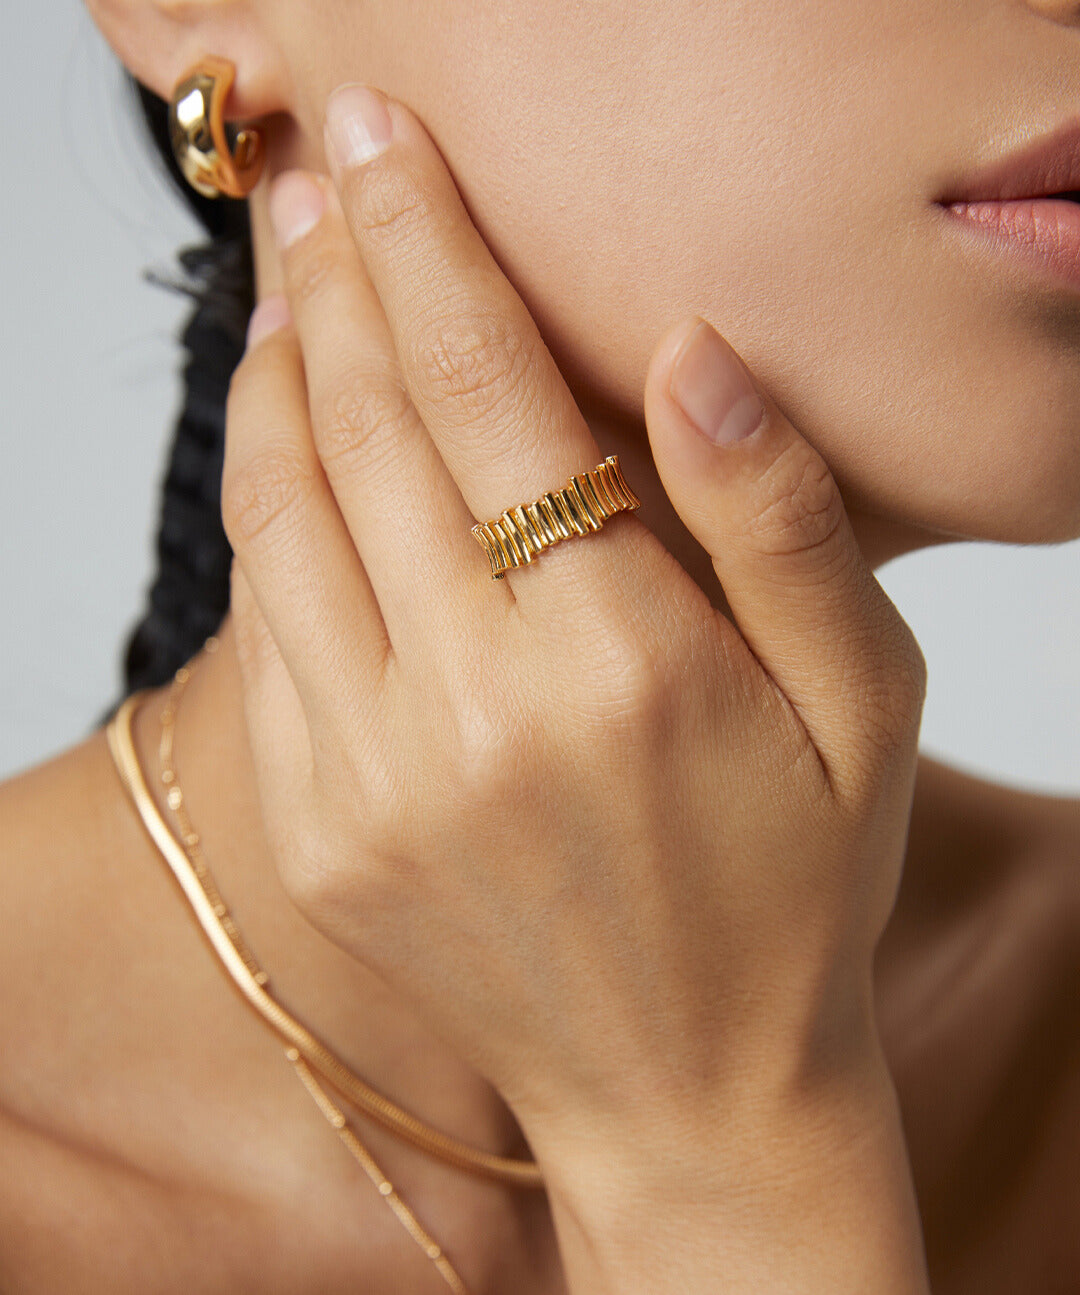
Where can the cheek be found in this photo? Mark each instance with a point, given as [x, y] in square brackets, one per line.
[943, 393]
[713, 162]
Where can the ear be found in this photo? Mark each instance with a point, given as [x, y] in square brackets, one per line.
[159, 40]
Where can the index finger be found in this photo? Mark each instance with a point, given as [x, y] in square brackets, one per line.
[471, 356]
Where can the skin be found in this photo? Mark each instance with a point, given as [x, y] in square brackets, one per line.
[984, 868]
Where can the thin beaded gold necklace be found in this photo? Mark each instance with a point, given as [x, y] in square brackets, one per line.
[305, 1052]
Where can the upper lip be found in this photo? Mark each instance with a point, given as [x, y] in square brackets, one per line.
[1050, 165]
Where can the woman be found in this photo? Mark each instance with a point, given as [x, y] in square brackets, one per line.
[598, 863]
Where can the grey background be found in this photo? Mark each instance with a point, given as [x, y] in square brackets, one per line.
[90, 381]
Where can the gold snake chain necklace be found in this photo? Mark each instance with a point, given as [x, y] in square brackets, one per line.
[308, 1055]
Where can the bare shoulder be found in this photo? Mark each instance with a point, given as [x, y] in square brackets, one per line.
[88, 961]
[100, 961]
[65, 843]
[62, 851]
[151, 1138]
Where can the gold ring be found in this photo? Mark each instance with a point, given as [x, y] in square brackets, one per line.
[583, 505]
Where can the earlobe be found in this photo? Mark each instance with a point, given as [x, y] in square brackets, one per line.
[160, 41]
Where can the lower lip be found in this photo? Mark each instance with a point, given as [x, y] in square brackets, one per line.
[1046, 231]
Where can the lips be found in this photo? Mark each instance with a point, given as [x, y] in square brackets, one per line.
[1049, 167]
[1032, 220]
[1027, 205]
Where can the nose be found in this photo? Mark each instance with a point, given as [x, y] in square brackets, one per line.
[1062, 11]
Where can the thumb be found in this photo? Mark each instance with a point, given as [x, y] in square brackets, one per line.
[762, 502]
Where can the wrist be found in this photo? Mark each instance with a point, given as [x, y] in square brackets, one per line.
[807, 1189]
[789, 1065]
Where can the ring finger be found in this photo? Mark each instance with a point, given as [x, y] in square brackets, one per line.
[284, 526]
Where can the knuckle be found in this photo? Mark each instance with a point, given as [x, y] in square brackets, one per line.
[802, 509]
[378, 797]
[255, 646]
[344, 842]
[389, 202]
[486, 762]
[313, 269]
[624, 684]
[474, 359]
[331, 869]
[268, 488]
[365, 411]
[491, 752]
[890, 710]
[635, 673]
[877, 726]
[307, 872]
[907, 686]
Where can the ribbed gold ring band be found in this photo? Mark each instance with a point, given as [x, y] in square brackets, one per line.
[583, 505]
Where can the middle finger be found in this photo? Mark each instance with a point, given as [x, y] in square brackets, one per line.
[478, 371]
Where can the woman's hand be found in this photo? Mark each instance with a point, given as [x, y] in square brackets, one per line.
[631, 858]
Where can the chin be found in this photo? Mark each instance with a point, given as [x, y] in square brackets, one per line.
[1013, 515]
[1021, 511]
[1034, 496]
[1000, 462]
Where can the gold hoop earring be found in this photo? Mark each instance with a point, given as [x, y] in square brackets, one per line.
[197, 132]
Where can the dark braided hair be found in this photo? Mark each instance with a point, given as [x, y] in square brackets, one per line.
[190, 591]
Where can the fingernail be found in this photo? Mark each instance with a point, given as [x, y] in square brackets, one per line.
[296, 206]
[358, 124]
[713, 389]
[268, 316]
